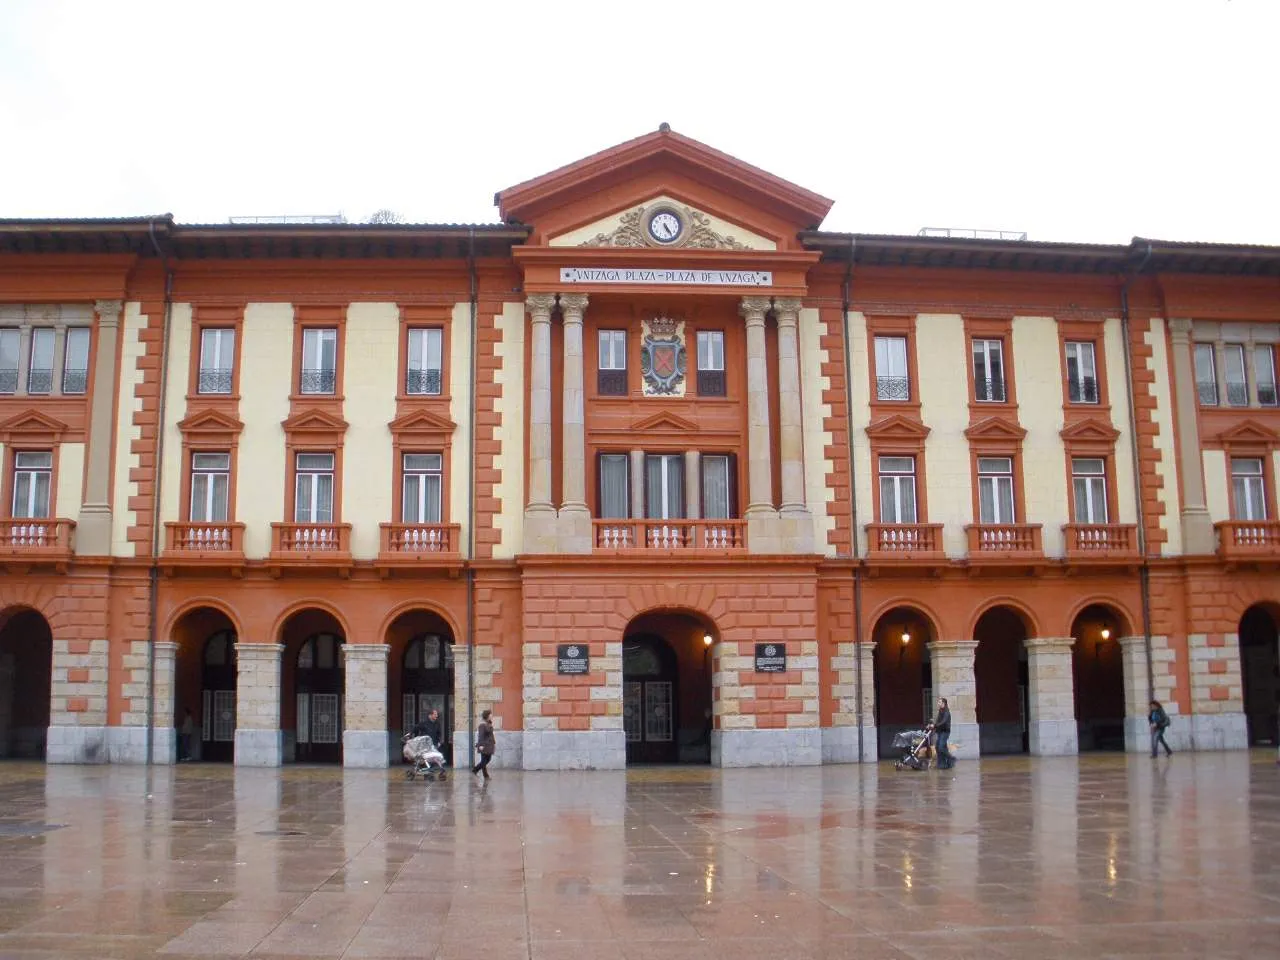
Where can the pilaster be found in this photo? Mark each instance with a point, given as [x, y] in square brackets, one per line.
[1052, 719]
[93, 528]
[637, 484]
[762, 527]
[365, 738]
[692, 484]
[1198, 537]
[574, 526]
[540, 514]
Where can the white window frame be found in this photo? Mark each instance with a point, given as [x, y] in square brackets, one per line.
[711, 350]
[717, 483]
[217, 357]
[32, 485]
[1082, 354]
[999, 480]
[1206, 378]
[1249, 489]
[614, 460]
[895, 482]
[613, 349]
[426, 356]
[207, 494]
[985, 348]
[310, 477]
[1264, 374]
[418, 502]
[1089, 489]
[79, 340]
[11, 343]
[1235, 373]
[315, 340]
[672, 465]
[43, 339]
[891, 364]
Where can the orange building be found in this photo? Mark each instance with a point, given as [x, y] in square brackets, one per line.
[655, 469]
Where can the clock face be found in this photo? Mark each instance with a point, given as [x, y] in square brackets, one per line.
[665, 227]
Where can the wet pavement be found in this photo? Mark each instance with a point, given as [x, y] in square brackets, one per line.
[1105, 856]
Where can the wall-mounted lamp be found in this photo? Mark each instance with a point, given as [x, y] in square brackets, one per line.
[707, 640]
[1106, 633]
[906, 638]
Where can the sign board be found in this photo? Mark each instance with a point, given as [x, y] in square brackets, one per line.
[572, 659]
[771, 658]
[696, 278]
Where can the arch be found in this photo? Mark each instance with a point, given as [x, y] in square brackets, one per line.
[299, 606]
[1030, 623]
[1001, 677]
[1248, 594]
[903, 603]
[1258, 646]
[26, 678]
[44, 600]
[426, 606]
[668, 707]
[1117, 609]
[709, 601]
[1098, 680]
[901, 671]
[197, 603]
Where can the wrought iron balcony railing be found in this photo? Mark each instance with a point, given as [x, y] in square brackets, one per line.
[893, 388]
[214, 380]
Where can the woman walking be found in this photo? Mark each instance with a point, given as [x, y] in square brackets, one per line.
[1159, 721]
[485, 743]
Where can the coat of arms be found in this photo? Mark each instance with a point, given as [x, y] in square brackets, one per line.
[663, 358]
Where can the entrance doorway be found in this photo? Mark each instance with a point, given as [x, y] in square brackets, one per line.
[1001, 678]
[666, 689]
[218, 698]
[1097, 673]
[26, 671]
[427, 684]
[903, 675]
[204, 683]
[313, 688]
[1260, 674]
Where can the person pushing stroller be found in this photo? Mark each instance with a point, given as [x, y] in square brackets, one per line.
[941, 727]
[422, 748]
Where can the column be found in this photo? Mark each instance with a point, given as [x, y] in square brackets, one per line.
[24, 355]
[365, 740]
[759, 472]
[952, 666]
[574, 529]
[692, 484]
[164, 712]
[1250, 370]
[259, 739]
[790, 418]
[637, 484]
[59, 356]
[1052, 719]
[93, 529]
[539, 530]
[1198, 537]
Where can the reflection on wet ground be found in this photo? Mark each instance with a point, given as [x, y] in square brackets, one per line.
[1098, 857]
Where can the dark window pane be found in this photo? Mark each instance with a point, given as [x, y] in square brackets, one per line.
[1084, 390]
[611, 383]
[711, 383]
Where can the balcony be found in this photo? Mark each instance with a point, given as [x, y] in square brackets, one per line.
[39, 541]
[219, 545]
[420, 544]
[310, 546]
[1249, 539]
[670, 536]
[904, 541]
[1101, 541]
[1004, 542]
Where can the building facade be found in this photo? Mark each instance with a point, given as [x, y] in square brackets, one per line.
[655, 469]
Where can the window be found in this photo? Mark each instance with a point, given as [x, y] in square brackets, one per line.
[423, 486]
[615, 500]
[319, 360]
[10, 358]
[32, 478]
[424, 370]
[717, 487]
[995, 490]
[1089, 487]
[1248, 489]
[1264, 374]
[313, 500]
[897, 489]
[711, 363]
[40, 369]
[75, 360]
[217, 358]
[1082, 375]
[988, 371]
[664, 486]
[1206, 374]
[611, 378]
[1237, 385]
[892, 380]
[210, 481]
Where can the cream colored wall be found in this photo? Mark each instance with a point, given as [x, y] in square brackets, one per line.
[122, 518]
[266, 366]
[459, 378]
[944, 408]
[1038, 375]
[70, 493]
[607, 225]
[1216, 478]
[1167, 467]
[369, 404]
[817, 468]
[509, 405]
[1118, 390]
[175, 410]
[860, 419]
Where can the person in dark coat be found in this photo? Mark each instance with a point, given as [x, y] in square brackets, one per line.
[942, 728]
[1159, 721]
[429, 726]
[485, 744]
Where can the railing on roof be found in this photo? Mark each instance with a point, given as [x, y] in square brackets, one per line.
[294, 218]
[972, 234]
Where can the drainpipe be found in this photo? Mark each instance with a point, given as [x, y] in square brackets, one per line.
[853, 489]
[1144, 572]
[471, 505]
[153, 578]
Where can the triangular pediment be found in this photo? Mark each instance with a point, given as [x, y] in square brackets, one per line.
[31, 424]
[314, 421]
[1248, 433]
[422, 421]
[1091, 430]
[995, 430]
[210, 421]
[664, 421]
[898, 428]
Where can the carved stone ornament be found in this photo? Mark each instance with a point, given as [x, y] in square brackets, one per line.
[663, 357]
[697, 233]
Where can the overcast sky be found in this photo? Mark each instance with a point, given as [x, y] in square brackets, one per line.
[1069, 119]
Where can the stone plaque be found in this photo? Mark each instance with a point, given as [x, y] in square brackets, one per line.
[572, 659]
[771, 658]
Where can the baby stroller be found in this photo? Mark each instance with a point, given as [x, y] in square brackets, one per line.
[915, 743]
[425, 757]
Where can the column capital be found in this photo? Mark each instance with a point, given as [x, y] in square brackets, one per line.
[1128, 643]
[754, 309]
[1180, 329]
[573, 306]
[1049, 644]
[258, 651]
[108, 311]
[165, 647]
[787, 309]
[366, 651]
[540, 305]
[951, 646]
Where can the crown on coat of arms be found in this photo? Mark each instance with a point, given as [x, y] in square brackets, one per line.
[663, 327]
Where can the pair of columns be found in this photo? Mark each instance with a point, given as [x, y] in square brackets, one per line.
[93, 528]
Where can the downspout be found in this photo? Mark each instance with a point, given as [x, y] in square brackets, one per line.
[1144, 571]
[846, 291]
[471, 504]
[153, 579]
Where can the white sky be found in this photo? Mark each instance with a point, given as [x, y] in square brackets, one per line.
[1089, 120]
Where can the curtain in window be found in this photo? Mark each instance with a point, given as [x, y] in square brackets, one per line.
[615, 502]
[715, 488]
[664, 487]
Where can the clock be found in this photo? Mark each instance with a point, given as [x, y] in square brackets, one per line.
[665, 226]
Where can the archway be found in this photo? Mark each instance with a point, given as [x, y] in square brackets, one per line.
[205, 684]
[666, 688]
[1260, 673]
[1000, 677]
[903, 674]
[421, 675]
[313, 686]
[26, 673]
[1097, 673]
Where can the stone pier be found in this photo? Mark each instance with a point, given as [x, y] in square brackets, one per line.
[952, 665]
[365, 738]
[259, 740]
[1052, 721]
